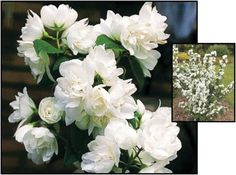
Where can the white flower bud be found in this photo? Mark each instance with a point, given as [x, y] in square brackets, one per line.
[48, 111]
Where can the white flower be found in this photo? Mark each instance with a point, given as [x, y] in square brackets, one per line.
[104, 64]
[214, 53]
[138, 39]
[122, 133]
[112, 26]
[156, 168]
[143, 34]
[158, 135]
[80, 37]
[150, 16]
[104, 154]
[23, 107]
[224, 57]
[21, 131]
[32, 30]
[70, 91]
[48, 111]
[97, 101]
[39, 142]
[148, 160]
[123, 103]
[36, 64]
[58, 18]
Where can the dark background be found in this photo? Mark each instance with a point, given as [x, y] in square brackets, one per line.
[182, 25]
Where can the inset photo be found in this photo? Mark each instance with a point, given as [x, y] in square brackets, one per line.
[203, 82]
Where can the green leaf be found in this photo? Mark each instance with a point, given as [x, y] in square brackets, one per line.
[137, 72]
[117, 48]
[43, 55]
[137, 115]
[58, 63]
[41, 45]
[135, 122]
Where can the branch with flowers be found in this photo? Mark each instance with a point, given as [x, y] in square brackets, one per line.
[199, 81]
[93, 119]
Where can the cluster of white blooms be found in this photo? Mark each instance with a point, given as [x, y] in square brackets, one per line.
[39, 142]
[200, 83]
[139, 34]
[92, 105]
[153, 145]
[92, 99]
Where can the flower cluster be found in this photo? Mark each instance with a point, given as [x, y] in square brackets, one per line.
[139, 34]
[93, 113]
[199, 81]
[152, 145]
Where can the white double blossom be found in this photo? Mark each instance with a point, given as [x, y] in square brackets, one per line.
[113, 25]
[80, 37]
[122, 101]
[39, 142]
[97, 101]
[105, 150]
[23, 107]
[58, 18]
[139, 34]
[200, 83]
[104, 64]
[48, 110]
[123, 134]
[158, 135]
[143, 34]
[104, 154]
[32, 30]
[70, 91]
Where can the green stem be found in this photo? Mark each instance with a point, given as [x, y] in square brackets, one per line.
[131, 161]
[138, 153]
[45, 34]
[58, 40]
[35, 110]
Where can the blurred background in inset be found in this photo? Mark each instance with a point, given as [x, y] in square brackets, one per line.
[182, 27]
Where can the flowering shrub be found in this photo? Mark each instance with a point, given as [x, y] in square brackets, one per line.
[199, 82]
[93, 118]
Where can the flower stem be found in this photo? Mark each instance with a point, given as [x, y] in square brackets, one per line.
[131, 161]
[45, 34]
[58, 40]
